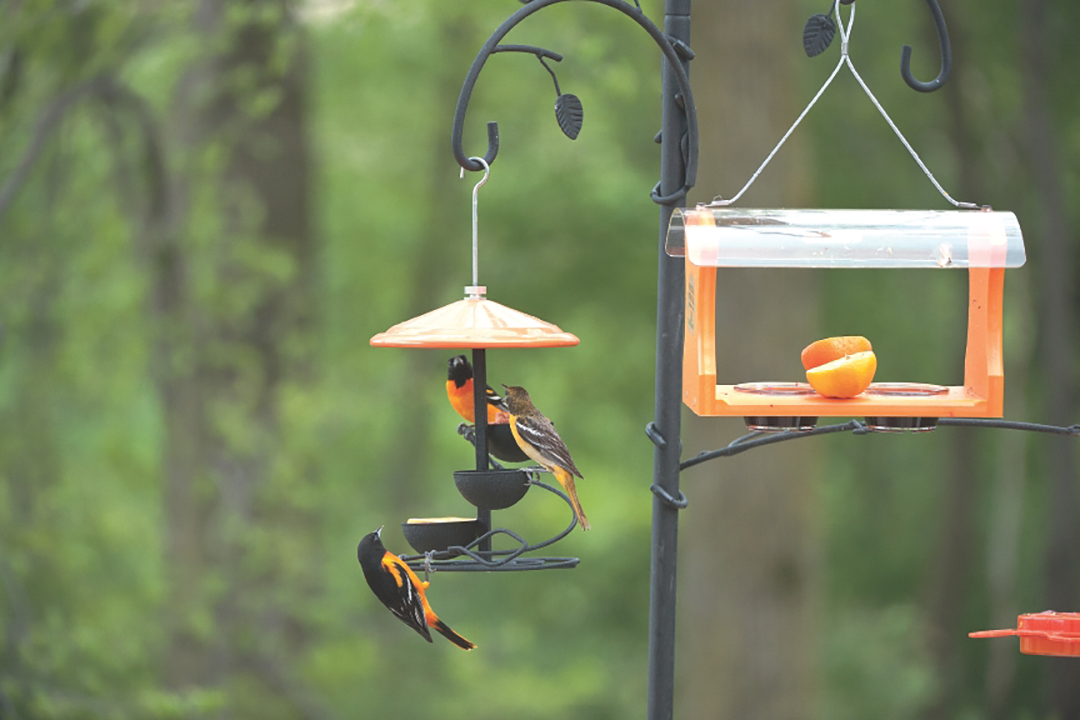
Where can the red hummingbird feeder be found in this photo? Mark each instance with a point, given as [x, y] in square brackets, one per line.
[1045, 633]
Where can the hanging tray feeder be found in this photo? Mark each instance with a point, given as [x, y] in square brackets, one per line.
[981, 241]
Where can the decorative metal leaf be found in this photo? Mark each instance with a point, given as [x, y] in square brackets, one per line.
[569, 113]
[818, 34]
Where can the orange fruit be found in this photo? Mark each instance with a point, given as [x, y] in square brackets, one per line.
[844, 377]
[833, 348]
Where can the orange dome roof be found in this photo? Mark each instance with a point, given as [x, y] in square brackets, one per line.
[474, 322]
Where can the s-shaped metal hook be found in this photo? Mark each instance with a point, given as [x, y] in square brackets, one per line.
[946, 55]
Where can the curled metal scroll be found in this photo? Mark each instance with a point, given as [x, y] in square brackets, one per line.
[675, 53]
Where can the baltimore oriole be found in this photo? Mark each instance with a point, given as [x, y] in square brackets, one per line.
[459, 390]
[399, 589]
[536, 436]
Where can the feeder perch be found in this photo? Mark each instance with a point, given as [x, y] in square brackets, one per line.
[981, 241]
[1045, 633]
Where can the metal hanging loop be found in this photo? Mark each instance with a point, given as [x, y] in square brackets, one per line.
[475, 290]
[946, 55]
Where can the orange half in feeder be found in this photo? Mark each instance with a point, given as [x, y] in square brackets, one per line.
[981, 241]
[474, 322]
[1045, 633]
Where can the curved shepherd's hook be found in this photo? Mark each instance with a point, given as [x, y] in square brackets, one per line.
[674, 57]
[946, 55]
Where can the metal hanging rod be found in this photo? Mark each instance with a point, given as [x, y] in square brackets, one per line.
[760, 439]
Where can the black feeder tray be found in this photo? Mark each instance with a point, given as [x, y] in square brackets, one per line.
[901, 424]
[779, 423]
[462, 545]
[492, 489]
[439, 534]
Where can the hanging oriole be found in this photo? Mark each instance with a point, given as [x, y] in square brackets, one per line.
[399, 589]
[459, 390]
[536, 436]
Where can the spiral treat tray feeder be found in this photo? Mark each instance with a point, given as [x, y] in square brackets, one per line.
[465, 544]
[980, 241]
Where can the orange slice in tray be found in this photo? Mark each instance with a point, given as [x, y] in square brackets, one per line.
[833, 348]
[844, 377]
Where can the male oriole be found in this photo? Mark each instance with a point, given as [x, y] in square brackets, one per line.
[536, 436]
[399, 589]
[459, 389]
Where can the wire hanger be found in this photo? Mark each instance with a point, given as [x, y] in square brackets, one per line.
[845, 58]
[476, 290]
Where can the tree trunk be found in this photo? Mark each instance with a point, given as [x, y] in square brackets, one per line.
[446, 196]
[746, 641]
[1056, 264]
[233, 266]
[949, 588]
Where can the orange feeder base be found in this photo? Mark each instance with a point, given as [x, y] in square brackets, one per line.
[1045, 633]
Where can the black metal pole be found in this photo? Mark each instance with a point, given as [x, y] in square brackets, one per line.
[678, 166]
[665, 430]
[479, 363]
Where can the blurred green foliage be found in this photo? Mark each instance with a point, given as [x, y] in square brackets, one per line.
[567, 233]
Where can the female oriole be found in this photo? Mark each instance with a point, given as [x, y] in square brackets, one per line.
[459, 390]
[536, 436]
[399, 589]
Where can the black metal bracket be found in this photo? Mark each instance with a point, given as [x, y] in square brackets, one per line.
[654, 434]
[675, 503]
[674, 50]
[759, 439]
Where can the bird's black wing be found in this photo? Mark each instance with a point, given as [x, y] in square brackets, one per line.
[398, 593]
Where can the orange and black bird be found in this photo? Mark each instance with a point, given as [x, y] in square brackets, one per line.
[399, 589]
[536, 436]
[459, 390]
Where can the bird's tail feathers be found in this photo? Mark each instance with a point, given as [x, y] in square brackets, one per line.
[444, 630]
[567, 481]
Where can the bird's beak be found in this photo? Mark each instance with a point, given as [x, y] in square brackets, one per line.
[378, 533]
[505, 386]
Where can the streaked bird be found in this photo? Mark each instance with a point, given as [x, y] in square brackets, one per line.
[536, 436]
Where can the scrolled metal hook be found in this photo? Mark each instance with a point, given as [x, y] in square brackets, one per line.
[675, 53]
[946, 55]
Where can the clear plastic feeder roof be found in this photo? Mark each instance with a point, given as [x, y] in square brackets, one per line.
[737, 237]
[474, 322]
